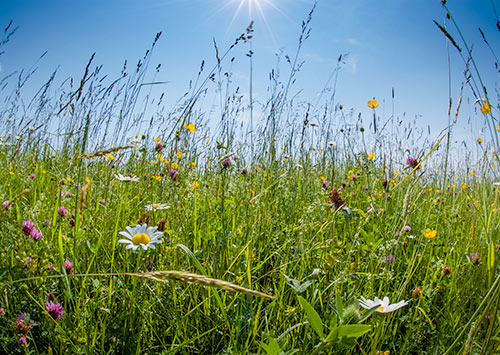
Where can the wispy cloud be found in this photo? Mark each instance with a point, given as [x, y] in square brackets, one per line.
[352, 63]
[352, 41]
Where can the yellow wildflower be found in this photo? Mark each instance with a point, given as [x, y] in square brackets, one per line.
[479, 141]
[485, 108]
[190, 128]
[471, 173]
[179, 155]
[193, 163]
[157, 177]
[429, 233]
[464, 185]
[372, 155]
[372, 103]
[174, 165]
[322, 177]
[195, 185]
[110, 157]
[68, 179]
[157, 139]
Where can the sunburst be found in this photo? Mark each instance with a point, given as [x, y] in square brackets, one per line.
[256, 9]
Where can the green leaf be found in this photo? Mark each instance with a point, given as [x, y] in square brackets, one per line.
[273, 348]
[353, 330]
[340, 306]
[298, 286]
[312, 316]
[491, 256]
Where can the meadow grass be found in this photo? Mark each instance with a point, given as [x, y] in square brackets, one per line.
[270, 235]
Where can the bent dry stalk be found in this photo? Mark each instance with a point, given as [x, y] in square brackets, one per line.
[164, 276]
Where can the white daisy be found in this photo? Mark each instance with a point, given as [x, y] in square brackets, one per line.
[383, 305]
[121, 177]
[496, 183]
[141, 236]
[156, 206]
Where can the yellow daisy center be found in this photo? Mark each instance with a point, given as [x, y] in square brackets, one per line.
[156, 206]
[140, 238]
[381, 308]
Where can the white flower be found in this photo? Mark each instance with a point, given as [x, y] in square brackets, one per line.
[383, 305]
[140, 236]
[156, 206]
[31, 128]
[496, 183]
[120, 177]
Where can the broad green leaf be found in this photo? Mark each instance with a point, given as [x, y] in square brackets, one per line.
[273, 348]
[312, 316]
[353, 330]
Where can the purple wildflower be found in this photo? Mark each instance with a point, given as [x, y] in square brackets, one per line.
[20, 317]
[22, 341]
[68, 266]
[159, 147]
[446, 270]
[324, 184]
[398, 233]
[2, 312]
[29, 259]
[172, 173]
[32, 176]
[28, 226]
[61, 211]
[7, 204]
[389, 259]
[388, 197]
[364, 187]
[412, 162]
[102, 201]
[36, 234]
[55, 310]
[226, 163]
[406, 228]
[475, 259]
[46, 223]
[150, 266]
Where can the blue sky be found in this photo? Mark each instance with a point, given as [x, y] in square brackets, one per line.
[390, 44]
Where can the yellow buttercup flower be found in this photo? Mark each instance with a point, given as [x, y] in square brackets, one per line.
[190, 128]
[479, 141]
[157, 139]
[195, 184]
[372, 155]
[179, 155]
[485, 108]
[372, 103]
[429, 233]
[174, 165]
[110, 157]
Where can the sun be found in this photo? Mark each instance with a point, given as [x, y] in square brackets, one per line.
[256, 10]
[252, 6]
